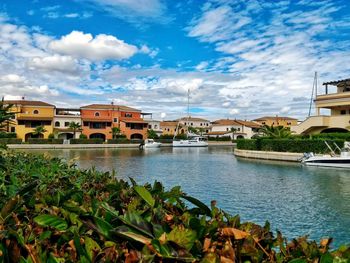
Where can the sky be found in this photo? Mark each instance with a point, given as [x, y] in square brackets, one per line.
[240, 59]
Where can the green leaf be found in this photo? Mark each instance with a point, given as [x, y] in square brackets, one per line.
[298, 260]
[326, 258]
[144, 194]
[91, 246]
[183, 237]
[52, 221]
[128, 233]
[205, 209]
[98, 224]
[134, 220]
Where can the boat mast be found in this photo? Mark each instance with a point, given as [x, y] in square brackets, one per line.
[314, 89]
[188, 104]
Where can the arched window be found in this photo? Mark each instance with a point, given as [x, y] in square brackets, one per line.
[97, 114]
[57, 124]
[35, 112]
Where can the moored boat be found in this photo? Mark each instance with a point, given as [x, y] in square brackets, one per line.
[332, 160]
[150, 143]
[194, 141]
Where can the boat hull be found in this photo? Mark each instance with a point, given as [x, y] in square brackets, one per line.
[153, 145]
[337, 162]
[187, 143]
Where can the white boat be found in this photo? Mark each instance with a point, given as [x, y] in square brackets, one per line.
[194, 141]
[150, 143]
[332, 160]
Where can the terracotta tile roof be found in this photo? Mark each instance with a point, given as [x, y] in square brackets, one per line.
[168, 123]
[109, 107]
[225, 122]
[274, 118]
[250, 124]
[29, 103]
[192, 119]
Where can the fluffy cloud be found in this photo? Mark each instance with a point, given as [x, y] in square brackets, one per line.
[65, 64]
[102, 47]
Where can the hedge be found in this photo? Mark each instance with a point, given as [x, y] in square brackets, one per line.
[87, 141]
[44, 141]
[10, 141]
[220, 139]
[288, 145]
[8, 135]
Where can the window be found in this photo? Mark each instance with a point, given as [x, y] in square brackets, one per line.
[66, 124]
[109, 124]
[13, 129]
[115, 120]
[342, 112]
[238, 129]
[35, 112]
[97, 114]
[57, 124]
[191, 123]
[263, 123]
[207, 124]
[201, 124]
[289, 123]
[128, 115]
[156, 126]
[227, 129]
[149, 126]
[86, 123]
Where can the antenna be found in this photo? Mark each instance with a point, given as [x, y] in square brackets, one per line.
[314, 88]
[188, 104]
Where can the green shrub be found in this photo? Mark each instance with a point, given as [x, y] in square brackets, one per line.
[82, 136]
[118, 141]
[288, 145]
[54, 212]
[169, 136]
[220, 139]
[342, 136]
[87, 141]
[51, 136]
[10, 141]
[44, 141]
[8, 135]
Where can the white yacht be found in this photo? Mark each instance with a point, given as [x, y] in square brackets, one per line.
[193, 141]
[150, 143]
[332, 160]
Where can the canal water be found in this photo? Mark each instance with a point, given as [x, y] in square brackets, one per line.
[296, 200]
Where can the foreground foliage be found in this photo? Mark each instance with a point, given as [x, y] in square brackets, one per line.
[53, 212]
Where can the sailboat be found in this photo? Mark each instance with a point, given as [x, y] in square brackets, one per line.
[193, 140]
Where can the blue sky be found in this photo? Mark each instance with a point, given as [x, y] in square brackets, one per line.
[240, 59]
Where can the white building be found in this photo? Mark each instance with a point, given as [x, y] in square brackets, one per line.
[154, 125]
[197, 123]
[61, 121]
[236, 129]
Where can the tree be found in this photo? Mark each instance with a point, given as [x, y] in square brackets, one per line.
[151, 134]
[39, 130]
[115, 132]
[6, 115]
[233, 130]
[75, 126]
[275, 132]
[201, 131]
[192, 130]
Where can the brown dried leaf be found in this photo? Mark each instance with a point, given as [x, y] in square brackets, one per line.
[131, 257]
[206, 245]
[234, 232]
[226, 260]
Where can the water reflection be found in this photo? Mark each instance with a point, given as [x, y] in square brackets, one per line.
[296, 199]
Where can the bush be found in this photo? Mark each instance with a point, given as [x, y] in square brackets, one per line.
[51, 136]
[44, 141]
[8, 135]
[220, 139]
[10, 141]
[288, 145]
[342, 136]
[118, 141]
[87, 141]
[82, 136]
[54, 212]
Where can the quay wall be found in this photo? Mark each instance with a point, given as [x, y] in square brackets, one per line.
[264, 155]
[95, 146]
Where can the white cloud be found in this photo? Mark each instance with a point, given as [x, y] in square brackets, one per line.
[151, 52]
[59, 63]
[203, 65]
[234, 111]
[285, 109]
[102, 47]
[12, 78]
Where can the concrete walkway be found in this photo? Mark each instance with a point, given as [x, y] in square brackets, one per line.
[277, 156]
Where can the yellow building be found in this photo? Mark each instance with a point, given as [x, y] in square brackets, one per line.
[29, 115]
[286, 122]
[337, 103]
[170, 128]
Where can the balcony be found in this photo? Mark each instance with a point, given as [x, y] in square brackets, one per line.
[333, 100]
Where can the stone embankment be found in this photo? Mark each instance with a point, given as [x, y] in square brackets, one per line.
[93, 146]
[277, 156]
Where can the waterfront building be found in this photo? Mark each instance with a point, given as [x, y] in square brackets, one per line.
[154, 125]
[61, 121]
[29, 115]
[98, 120]
[338, 105]
[169, 128]
[236, 129]
[285, 122]
[197, 123]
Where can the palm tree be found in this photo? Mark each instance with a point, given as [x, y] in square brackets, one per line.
[115, 131]
[275, 132]
[201, 131]
[75, 126]
[151, 134]
[192, 130]
[6, 116]
[39, 130]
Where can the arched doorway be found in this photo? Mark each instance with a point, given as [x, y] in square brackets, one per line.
[335, 130]
[136, 136]
[31, 135]
[97, 136]
[65, 136]
[240, 137]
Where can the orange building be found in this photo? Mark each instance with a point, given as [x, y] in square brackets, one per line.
[98, 120]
